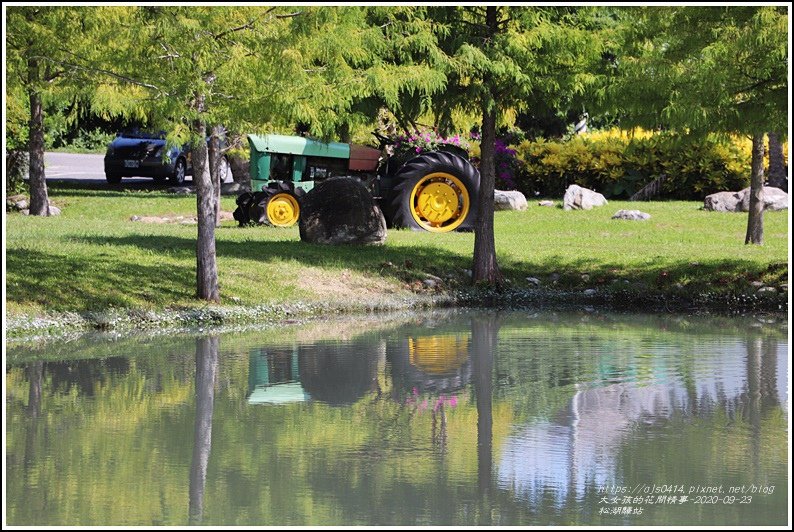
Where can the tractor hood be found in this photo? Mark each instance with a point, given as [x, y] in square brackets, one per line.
[298, 146]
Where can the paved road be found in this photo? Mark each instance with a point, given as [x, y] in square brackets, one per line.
[88, 169]
[82, 169]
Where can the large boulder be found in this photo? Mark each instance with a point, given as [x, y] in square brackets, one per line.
[577, 197]
[722, 201]
[341, 210]
[774, 199]
[509, 200]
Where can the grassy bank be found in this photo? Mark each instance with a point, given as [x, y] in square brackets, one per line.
[93, 258]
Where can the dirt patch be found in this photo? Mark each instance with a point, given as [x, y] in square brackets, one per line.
[344, 285]
[175, 218]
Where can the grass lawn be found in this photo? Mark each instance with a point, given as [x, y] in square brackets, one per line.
[93, 257]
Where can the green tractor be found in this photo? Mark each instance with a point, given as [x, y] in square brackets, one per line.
[433, 191]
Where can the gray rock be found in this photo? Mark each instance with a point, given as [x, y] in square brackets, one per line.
[774, 199]
[577, 197]
[624, 214]
[54, 211]
[722, 202]
[585, 277]
[546, 203]
[430, 283]
[509, 200]
[181, 190]
[234, 188]
[21, 204]
[756, 284]
[135, 218]
[533, 281]
[767, 290]
[590, 292]
[341, 210]
[25, 212]
[554, 277]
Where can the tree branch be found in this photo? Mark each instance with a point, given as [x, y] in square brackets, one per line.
[121, 77]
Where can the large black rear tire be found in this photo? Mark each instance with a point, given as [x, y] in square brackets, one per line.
[437, 192]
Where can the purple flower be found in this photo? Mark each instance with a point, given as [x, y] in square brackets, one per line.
[418, 149]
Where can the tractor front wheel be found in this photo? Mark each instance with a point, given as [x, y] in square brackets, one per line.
[435, 192]
[278, 205]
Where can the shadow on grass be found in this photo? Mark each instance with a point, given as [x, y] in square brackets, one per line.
[70, 283]
[123, 190]
[411, 262]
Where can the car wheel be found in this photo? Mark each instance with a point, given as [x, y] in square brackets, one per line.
[178, 177]
[113, 179]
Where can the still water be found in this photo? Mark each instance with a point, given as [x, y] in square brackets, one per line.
[458, 418]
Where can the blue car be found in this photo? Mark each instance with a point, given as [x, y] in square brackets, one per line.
[141, 154]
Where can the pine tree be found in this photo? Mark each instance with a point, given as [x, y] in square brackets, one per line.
[702, 70]
[43, 46]
[503, 60]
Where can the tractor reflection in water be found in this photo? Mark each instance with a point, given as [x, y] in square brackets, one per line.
[335, 374]
[428, 373]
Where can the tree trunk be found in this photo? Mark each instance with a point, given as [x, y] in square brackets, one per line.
[206, 268]
[777, 164]
[216, 164]
[206, 372]
[755, 218]
[485, 269]
[39, 200]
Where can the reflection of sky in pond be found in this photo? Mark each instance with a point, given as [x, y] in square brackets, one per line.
[578, 447]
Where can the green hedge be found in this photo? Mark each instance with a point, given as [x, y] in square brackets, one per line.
[618, 166]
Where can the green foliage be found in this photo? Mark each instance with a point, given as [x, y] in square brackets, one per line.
[16, 170]
[617, 167]
[702, 69]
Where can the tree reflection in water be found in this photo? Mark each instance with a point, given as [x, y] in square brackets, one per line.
[206, 375]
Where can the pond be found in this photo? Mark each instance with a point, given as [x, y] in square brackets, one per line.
[449, 418]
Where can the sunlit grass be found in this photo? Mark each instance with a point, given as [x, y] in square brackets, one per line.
[93, 257]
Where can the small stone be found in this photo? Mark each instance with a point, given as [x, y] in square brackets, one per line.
[135, 218]
[756, 284]
[54, 211]
[181, 190]
[533, 281]
[25, 212]
[585, 277]
[430, 283]
[590, 292]
[21, 204]
[546, 203]
[767, 290]
[678, 286]
[624, 214]
[554, 277]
